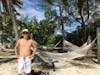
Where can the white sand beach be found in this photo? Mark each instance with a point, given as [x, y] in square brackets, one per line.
[10, 68]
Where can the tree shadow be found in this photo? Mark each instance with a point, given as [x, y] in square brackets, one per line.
[5, 60]
[82, 65]
[39, 73]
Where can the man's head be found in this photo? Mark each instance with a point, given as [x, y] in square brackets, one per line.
[25, 30]
[25, 33]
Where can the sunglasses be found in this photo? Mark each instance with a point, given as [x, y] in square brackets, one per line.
[25, 32]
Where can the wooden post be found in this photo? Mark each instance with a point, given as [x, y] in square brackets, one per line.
[98, 44]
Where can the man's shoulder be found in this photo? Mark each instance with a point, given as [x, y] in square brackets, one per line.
[19, 40]
[31, 40]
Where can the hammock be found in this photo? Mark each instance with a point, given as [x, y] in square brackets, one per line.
[76, 53]
[81, 49]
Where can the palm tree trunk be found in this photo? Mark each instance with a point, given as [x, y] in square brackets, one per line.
[87, 20]
[61, 20]
[13, 17]
[83, 24]
[80, 4]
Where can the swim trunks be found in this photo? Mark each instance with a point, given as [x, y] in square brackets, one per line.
[24, 65]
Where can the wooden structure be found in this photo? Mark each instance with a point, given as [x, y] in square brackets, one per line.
[98, 44]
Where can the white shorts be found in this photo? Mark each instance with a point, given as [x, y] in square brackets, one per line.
[24, 65]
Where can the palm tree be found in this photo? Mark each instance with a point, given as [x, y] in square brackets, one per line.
[8, 7]
[84, 8]
[61, 20]
[58, 3]
[13, 17]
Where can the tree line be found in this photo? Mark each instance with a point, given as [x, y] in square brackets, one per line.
[82, 12]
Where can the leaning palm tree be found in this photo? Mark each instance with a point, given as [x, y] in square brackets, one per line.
[13, 17]
[8, 5]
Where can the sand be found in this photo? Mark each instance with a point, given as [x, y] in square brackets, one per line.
[76, 68]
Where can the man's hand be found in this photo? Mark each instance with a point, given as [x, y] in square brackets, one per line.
[17, 56]
[31, 57]
[16, 48]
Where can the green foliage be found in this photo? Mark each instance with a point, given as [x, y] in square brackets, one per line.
[44, 31]
[41, 31]
[6, 29]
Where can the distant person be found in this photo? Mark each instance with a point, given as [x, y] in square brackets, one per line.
[23, 53]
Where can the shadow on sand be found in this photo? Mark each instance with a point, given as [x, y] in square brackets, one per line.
[5, 60]
[39, 73]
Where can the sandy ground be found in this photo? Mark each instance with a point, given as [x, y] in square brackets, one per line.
[10, 68]
[62, 67]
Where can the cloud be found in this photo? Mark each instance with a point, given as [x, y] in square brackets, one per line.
[31, 13]
[30, 9]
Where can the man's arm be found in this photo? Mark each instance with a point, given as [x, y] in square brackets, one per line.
[35, 48]
[16, 48]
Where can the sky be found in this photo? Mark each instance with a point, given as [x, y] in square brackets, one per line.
[31, 8]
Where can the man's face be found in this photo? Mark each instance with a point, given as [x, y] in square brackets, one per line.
[25, 34]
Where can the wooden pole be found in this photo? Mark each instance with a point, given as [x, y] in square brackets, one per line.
[98, 44]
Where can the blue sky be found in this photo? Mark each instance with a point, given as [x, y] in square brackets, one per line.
[31, 8]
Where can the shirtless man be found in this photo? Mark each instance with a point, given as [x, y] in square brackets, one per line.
[23, 53]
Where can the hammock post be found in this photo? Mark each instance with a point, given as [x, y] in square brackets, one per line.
[98, 44]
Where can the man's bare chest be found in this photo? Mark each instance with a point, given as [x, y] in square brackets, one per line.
[25, 43]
